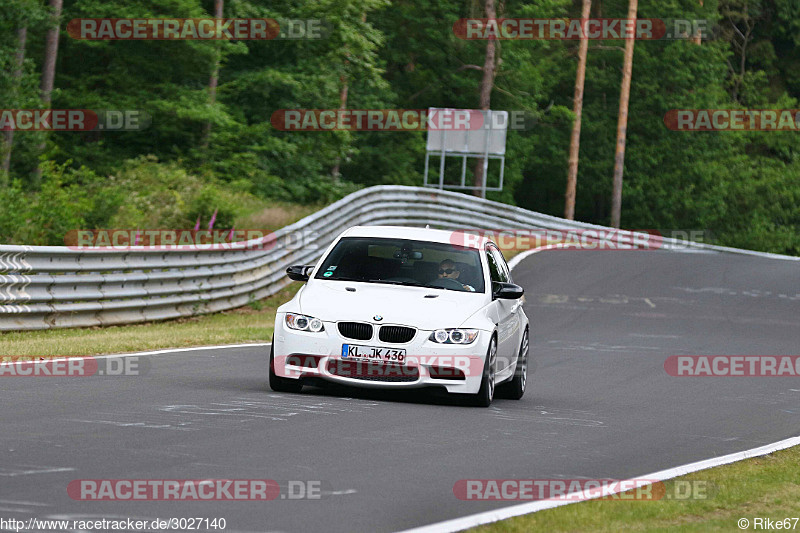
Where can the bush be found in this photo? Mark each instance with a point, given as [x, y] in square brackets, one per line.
[143, 194]
[44, 217]
[164, 195]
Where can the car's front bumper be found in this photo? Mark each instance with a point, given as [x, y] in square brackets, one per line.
[457, 368]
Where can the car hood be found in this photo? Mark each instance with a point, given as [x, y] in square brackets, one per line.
[332, 302]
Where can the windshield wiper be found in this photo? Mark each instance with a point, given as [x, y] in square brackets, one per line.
[403, 283]
[381, 281]
[346, 278]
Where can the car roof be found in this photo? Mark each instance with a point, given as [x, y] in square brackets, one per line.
[457, 237]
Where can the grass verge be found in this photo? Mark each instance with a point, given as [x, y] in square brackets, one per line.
[763, 487]
[252, 323]
[276, 216]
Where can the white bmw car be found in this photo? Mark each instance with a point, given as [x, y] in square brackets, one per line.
[398, 307]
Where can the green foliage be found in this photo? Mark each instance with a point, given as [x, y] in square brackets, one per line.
[144, 193]
[743, 186]
[45, 217]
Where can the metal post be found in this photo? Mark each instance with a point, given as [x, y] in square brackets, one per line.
[487, 116]
[441, 163]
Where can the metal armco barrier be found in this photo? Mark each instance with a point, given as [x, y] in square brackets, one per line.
[55, 286]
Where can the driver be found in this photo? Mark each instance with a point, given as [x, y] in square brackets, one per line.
[449, 270]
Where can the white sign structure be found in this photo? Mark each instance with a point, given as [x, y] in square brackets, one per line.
[472, 133]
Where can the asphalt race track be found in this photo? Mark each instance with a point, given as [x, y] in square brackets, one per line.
[599, 405]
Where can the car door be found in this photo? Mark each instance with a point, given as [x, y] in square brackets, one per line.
[504, 310]
[516, 307]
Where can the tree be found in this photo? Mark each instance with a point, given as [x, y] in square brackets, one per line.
[219, 8]
[487, 83]
[343, 91]
[49, 68]
[575, 139]
[741, 17]
[744, 186]
[19, 59]
[622, 124]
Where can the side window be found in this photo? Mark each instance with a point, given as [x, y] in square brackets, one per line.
[494, 269]
[499, 265]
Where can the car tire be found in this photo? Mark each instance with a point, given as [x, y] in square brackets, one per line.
[515, 389]
[277, 383]
[486, 392]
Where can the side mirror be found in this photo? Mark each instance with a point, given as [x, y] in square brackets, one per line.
[506, 291]
[299, 272]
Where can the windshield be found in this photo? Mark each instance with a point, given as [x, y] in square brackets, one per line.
[404, 262]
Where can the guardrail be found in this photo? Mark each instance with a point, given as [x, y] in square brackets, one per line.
[55, 286]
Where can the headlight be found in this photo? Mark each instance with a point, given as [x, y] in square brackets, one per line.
[454, 336]
[304, 323]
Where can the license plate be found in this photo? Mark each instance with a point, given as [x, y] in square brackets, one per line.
[354, 352]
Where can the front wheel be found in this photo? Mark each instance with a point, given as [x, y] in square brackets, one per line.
[514, 389]
[276, 382]
[486, 392]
